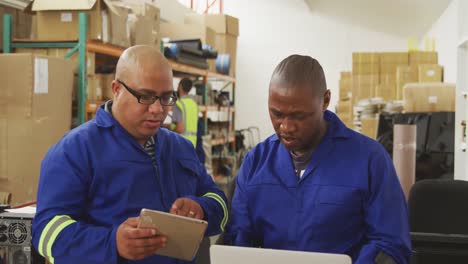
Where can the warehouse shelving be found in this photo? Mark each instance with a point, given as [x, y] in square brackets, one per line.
[87, 108]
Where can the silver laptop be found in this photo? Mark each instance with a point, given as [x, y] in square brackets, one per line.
[235, 255]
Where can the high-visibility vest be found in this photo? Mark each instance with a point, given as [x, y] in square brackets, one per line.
[189, 110]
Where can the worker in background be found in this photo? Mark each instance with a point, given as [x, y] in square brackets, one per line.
[316, 185]
[185, 113]
[97, 178]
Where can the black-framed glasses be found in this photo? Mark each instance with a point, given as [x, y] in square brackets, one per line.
[146, 99]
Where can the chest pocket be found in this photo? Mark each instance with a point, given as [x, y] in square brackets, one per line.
[336, 203]
[187, 177]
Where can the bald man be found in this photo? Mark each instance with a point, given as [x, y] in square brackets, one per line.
[317, 185]
[97, 178]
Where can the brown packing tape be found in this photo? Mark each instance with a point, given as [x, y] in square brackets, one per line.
[404, 155]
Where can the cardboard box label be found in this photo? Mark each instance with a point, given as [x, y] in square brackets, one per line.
[41, 76]
[430, 73]
[66, 17]
[432, 99]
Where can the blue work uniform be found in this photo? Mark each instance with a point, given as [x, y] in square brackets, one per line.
[348, 201]
[97, 176]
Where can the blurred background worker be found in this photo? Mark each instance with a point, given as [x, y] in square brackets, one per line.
[185, 113]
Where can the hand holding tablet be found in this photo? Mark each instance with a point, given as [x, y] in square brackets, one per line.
[184, 234]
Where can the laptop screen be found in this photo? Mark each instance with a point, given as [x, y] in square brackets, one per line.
[234, 255]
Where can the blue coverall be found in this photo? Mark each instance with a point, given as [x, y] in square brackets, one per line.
[97, 176]
[349, 199]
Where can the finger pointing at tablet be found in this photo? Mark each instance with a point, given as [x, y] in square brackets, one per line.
[187, 207]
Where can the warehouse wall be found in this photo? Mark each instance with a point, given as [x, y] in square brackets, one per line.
[270, 30]
[445, 33]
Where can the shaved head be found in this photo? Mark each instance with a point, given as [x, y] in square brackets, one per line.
[141, 71]
[134, 59]
[299, 71]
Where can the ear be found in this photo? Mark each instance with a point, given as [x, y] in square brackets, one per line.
[326, 100]
[116, 87]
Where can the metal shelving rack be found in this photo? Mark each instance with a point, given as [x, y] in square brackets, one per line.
[76, 46]
[83, 45]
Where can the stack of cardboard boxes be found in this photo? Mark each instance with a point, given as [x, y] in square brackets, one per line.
[389, 62]
[430, 94]
[35, 112]
[366, 68]
[392, 76]
[108, 21]
[344, 108]
[122, 23]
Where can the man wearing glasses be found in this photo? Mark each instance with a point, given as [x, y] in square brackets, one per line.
[98, 177]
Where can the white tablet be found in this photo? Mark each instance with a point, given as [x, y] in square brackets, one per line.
[184, 234]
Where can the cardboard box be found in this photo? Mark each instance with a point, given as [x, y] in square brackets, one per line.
[226, 29]
[390, 68]
[60, 53]
[366, 57]
[405, 74]
[100, 87]
[346, 75]
[35, 112]
[369, 126]
[344, 110]
[106, 85]
[58, 20]
[188, 31]
[119, 33]
[147, 10]
[386, 91]
[363, 87]
[388, 78]
[394, 58]
[366, 68]
[430, 73]
[346, 88]
[141, 31]
[221, 24]
[93, 88]
[429, 97]
[22, 24]
[423, 57]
